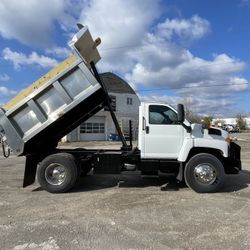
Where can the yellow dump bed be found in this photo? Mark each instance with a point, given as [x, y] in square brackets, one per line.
[83, 44]
[40, 82]
[57, 103]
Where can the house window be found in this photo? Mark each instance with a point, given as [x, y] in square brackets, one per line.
[92, 128]
[129, 101]
[112, 102]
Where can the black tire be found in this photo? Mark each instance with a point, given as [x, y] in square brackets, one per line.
[58, 173]
[197, 180]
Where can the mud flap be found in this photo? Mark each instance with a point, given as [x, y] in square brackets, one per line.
[179, 176]
[30, 170]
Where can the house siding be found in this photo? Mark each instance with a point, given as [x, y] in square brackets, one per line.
[124, 112]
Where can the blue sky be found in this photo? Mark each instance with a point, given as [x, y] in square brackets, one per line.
[194, 52]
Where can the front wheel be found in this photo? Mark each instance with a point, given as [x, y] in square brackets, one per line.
[204, 173]
[58, 173]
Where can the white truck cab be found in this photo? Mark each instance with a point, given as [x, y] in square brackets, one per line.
[166, 139]
[162, 136]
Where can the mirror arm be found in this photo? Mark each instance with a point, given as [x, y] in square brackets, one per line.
[188, 128]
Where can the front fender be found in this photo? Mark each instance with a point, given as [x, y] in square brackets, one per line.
[190, 143]
[220, 145]
[187, 145]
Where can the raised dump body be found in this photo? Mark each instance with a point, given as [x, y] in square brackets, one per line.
[55, 104]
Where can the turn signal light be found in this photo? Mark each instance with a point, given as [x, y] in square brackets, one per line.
[228, 139]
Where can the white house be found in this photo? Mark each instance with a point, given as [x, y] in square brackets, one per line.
[125, 104]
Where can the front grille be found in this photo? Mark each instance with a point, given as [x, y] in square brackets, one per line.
[235, 151]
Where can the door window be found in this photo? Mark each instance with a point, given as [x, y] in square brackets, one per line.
[159, 114]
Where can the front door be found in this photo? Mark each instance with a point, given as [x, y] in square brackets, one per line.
[163, 135]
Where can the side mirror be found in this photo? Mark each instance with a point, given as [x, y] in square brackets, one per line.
[181, 113]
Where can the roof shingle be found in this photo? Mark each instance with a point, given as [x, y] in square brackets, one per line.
[115, 84]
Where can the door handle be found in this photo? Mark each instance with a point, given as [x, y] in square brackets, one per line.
[144, 127]
[143, 123]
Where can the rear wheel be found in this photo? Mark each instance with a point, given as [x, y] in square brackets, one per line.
[204, 173]
[58, 173]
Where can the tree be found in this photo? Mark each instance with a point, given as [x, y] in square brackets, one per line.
[206, 121]
[241, 122]
[219, 122]
[190, 110]
[191, 116]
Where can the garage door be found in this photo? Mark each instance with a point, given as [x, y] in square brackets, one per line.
[93, 129]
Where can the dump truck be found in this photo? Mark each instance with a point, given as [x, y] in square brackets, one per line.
[33, 122]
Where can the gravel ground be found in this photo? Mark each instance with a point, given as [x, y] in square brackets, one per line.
[123, 212]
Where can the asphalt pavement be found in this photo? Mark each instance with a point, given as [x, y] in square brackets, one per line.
[124, 212]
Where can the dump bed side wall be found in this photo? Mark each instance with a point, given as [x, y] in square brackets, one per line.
[47, 139]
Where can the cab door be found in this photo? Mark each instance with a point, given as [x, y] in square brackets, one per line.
[162, 135]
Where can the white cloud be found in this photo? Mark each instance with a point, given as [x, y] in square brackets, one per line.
[188, 29]
[19, 59]
[239, 84]
[4, 77]
[208, 83]
[167, 65]
[59, 52]
[6, 92]
[32, 22]
[172, 100]
[119, 23]
[244, 3]
[137, 41]
[198, 104]
[146, 52]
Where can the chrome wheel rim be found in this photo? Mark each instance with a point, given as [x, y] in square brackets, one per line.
[205, 174]
[55, 174]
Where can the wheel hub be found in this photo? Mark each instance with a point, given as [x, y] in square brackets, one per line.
[55, 174]
[205, 174]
